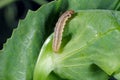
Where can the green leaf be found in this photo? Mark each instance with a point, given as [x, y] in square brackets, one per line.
[5, 2]
[19, 55]
[97, 54]
[41, 1]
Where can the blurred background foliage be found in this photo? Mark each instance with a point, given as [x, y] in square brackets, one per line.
[11, 11]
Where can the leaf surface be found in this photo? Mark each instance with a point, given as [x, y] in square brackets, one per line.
[97, 54]
[19, 55]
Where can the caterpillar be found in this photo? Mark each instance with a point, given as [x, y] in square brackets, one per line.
[58, 31]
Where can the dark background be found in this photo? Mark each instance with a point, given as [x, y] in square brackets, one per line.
[10, 15]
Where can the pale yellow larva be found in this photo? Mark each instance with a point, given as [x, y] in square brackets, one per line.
[58, 31]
